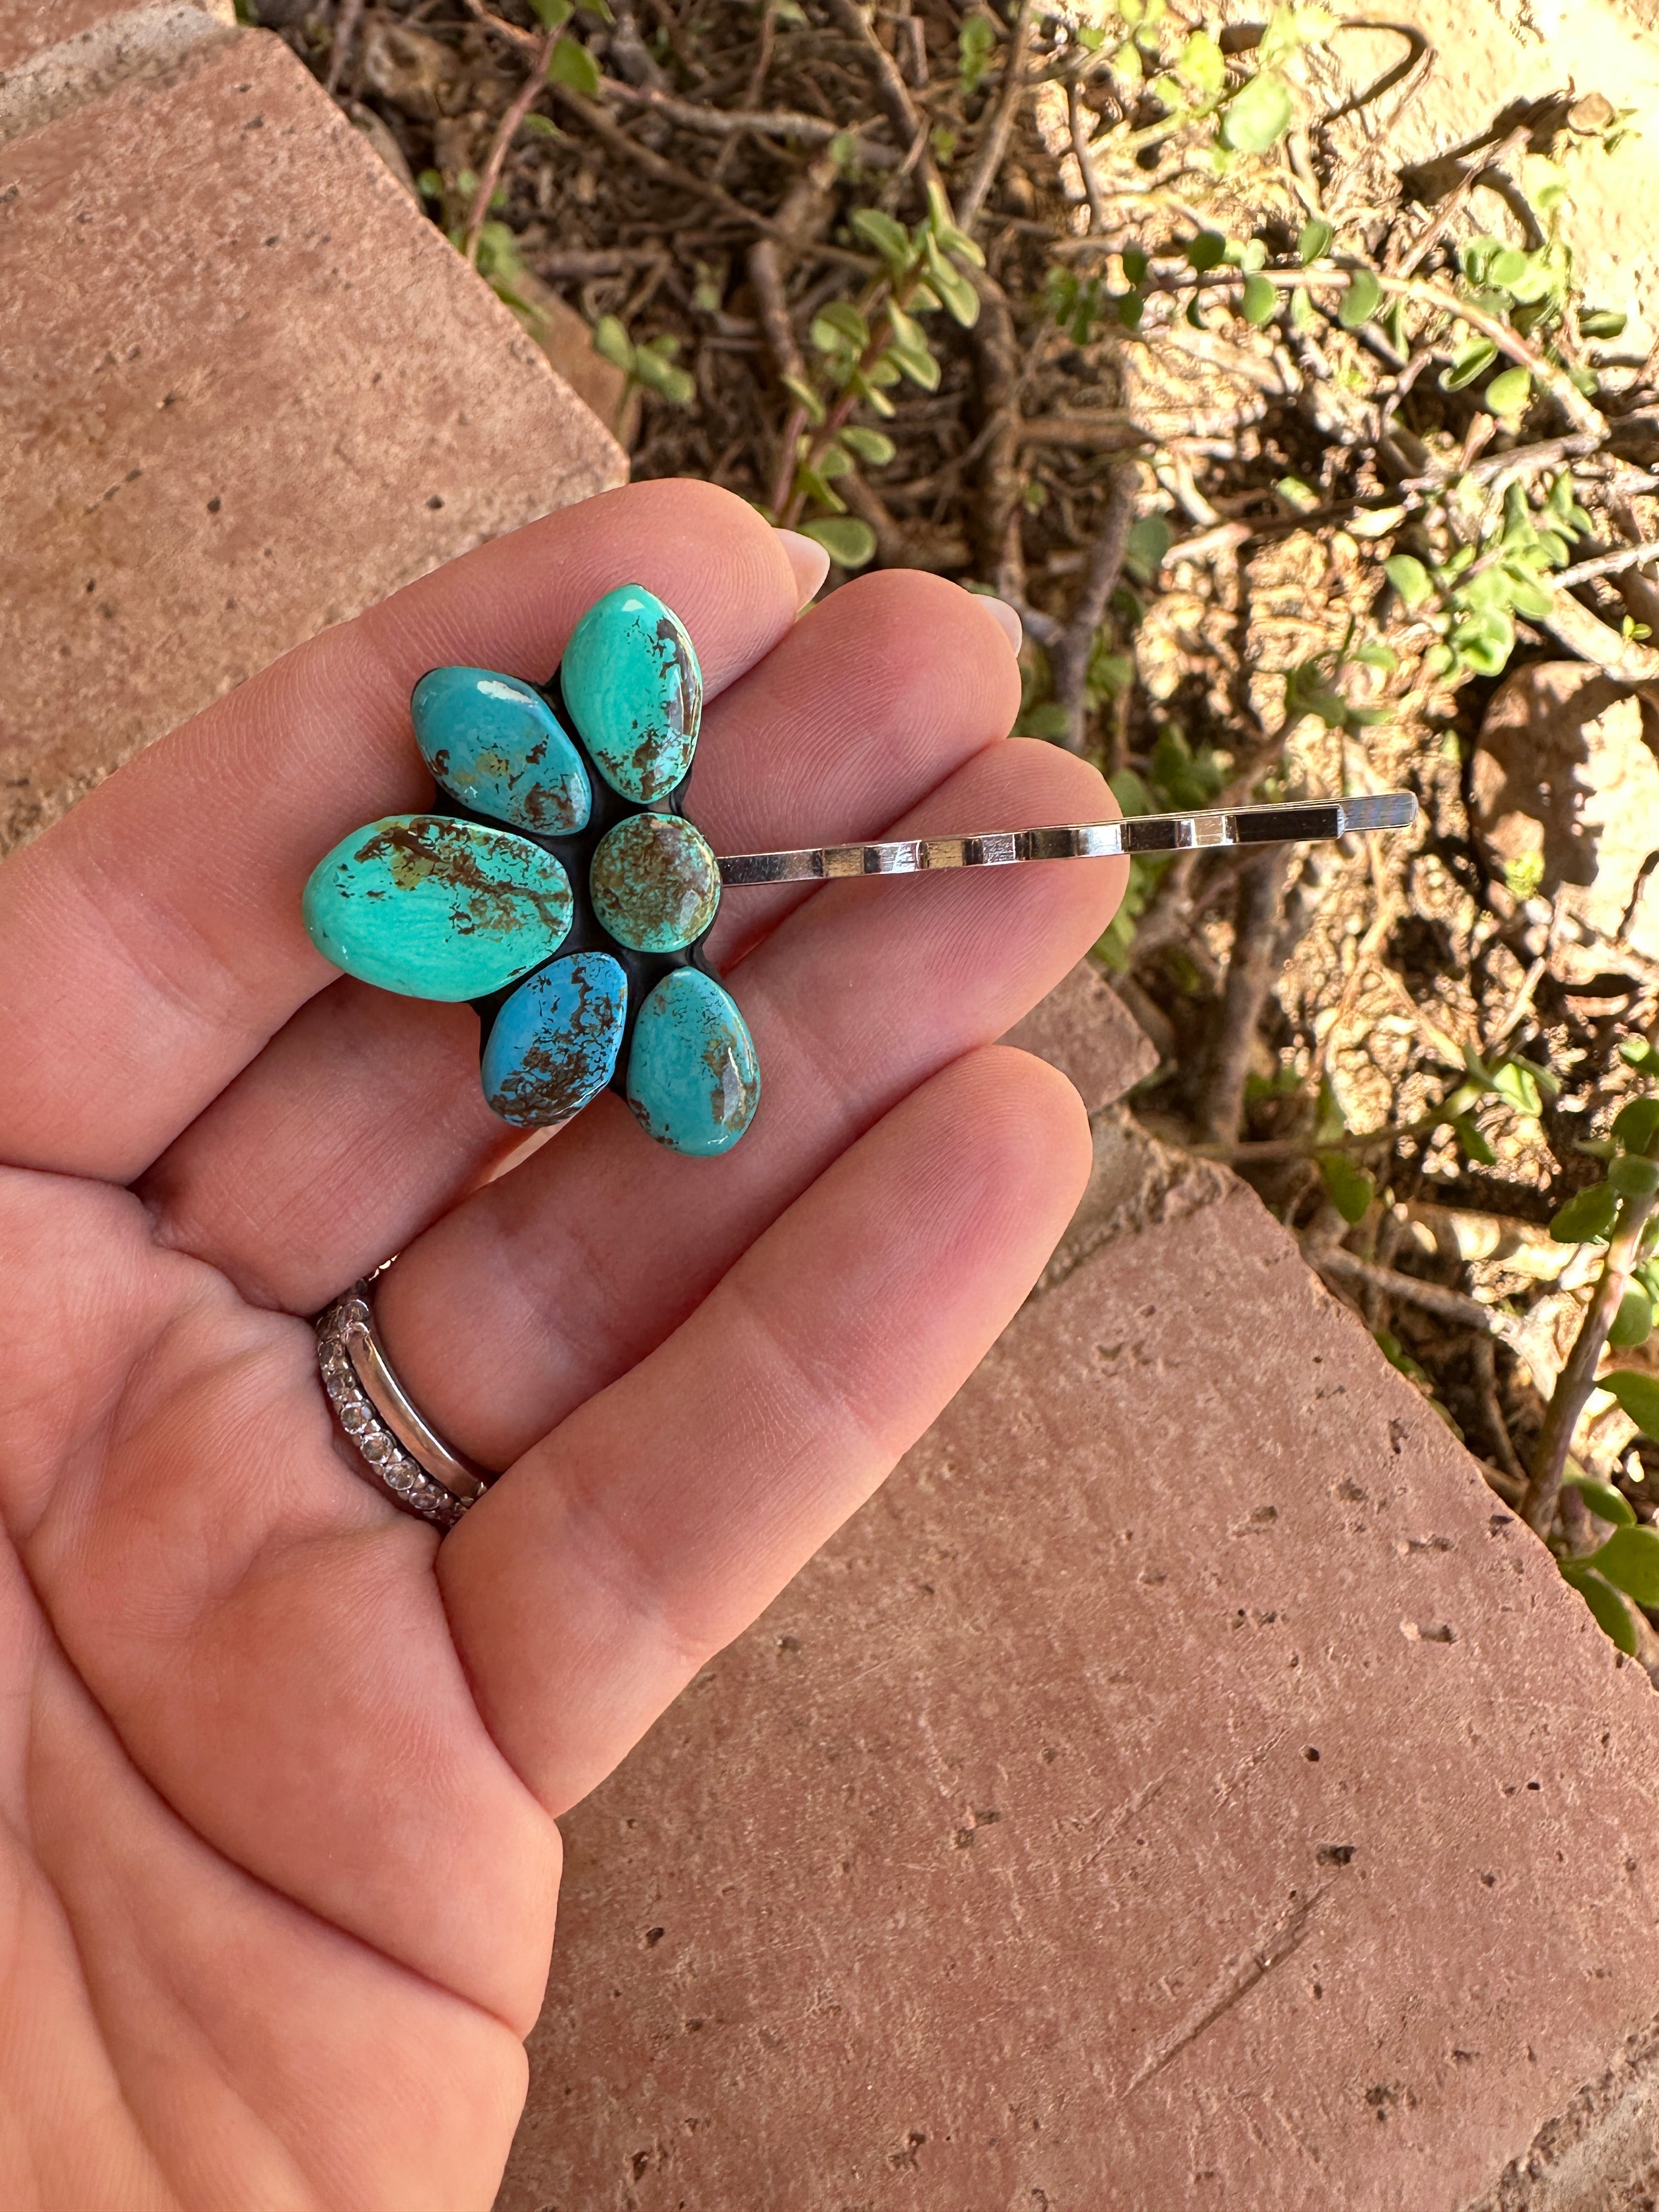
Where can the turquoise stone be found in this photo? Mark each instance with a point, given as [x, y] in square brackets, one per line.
[655, 882]
[634, 691]
[437, 909]
[555, 1043]
[693, 1079]
[496, 745]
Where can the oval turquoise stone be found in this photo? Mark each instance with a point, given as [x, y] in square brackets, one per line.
[496, 745]
[634, 691]
[655, 882]
[693, 1079]
[437, 909]
[555, 1040]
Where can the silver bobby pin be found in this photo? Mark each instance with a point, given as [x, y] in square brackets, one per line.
[1296, 823]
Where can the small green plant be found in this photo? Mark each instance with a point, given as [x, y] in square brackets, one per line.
[1616, 1212]
[864, 348]
[648, 362]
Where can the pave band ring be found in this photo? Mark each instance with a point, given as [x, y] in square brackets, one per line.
[399, 1451]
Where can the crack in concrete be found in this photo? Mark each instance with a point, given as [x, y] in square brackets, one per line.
[1240, 1975]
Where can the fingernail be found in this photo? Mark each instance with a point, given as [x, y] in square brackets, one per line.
[809, 560]
[1004, 617]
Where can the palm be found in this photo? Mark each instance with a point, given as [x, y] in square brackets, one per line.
[280, 1774]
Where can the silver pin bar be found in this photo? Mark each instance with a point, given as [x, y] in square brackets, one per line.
[1297, 823]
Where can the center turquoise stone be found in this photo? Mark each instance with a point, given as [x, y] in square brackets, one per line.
[655, 881]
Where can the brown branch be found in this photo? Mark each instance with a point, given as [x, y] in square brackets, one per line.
[1251, 974]
[1607, 564]
[1446, 1306]
[345, 31]
[987, 163]
[727, 121]
[1622, 658]
[594, 119]
[892, 94]
[1446, 214]
[1075, 112]
[1106, 430]
[1069, 659]
[520, 106]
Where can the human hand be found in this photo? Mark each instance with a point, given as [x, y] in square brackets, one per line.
[280, 1771]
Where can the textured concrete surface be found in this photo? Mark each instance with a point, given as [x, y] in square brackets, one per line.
[245, 390]
[1085, 1030]
[56, 55]
[1184, 1785]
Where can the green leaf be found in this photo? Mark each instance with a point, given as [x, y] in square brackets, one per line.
[1634, 1176]
[1636, 1125]
[612, 343]
[960, 298]
[552, 14]
[1587, 1216]
[841, 317]
[1258, 115]
[541, 126]
[1638, 1394]
[1600, 323]
[1308, 690]
[1410, 579]
[873, 447]
[890, 239]
[1150, 540]
[1630, 1561]
[659, 374]
[811, 405]
[1135, 265]
[1360, 302]
[1314, 241]
[1633, 1323]
[844, 537]
[1603, 1500]
[431, 184]
[1208, 250]
[1258, 301]
[1611, 1612]
[917, 363]
[977, 42]
[1509, 391]
[1474, 1145]
[1518, 1087]
[1638, 1053]
[571, 65]
[1472, 359]
[1351, 1189]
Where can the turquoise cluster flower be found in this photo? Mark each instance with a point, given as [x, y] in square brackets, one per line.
[562, 890]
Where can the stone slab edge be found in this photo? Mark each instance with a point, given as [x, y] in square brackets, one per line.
[55, 79]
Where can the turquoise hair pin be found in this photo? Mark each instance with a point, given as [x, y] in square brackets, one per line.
[559, 885]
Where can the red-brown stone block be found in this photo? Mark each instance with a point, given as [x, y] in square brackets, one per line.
[1184, 1785]
[245, 390]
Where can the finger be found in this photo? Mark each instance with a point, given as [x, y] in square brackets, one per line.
[364, 1118]
[151, 942]
[652, 1526]
[546, 1285]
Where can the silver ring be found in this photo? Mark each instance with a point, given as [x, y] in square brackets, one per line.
[406, 1457]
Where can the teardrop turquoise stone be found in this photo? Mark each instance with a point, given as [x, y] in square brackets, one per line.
[693, 1079]
[437, 909]
[634, 691]
[655, 882]
[495, 744]
[555, 1043]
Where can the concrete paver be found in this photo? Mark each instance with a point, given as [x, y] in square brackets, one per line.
[245, 390]
[1183, 1785]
